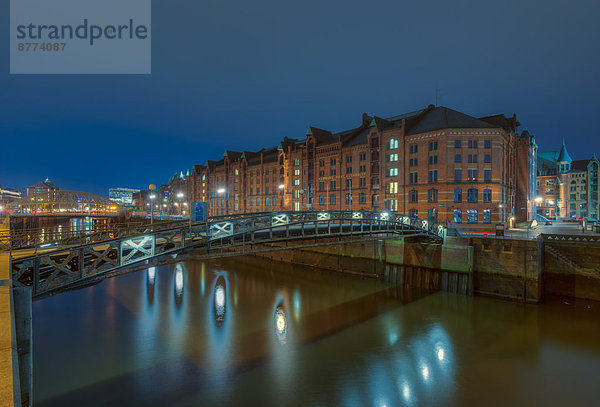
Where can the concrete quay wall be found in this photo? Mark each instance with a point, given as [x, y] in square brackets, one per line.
[520, 270]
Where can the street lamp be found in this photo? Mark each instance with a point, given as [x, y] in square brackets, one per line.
[152, 188]
[281, 188]
[222, 191]
[179, 196]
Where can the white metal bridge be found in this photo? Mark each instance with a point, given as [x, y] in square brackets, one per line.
[56, 269]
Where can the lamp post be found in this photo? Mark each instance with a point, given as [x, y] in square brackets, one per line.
[221, 191]
[281, 188]
[179, 196]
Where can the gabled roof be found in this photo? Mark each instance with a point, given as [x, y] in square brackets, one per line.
[380, 124]
[444, 118]
[580, 165]
[232, 155]
[322, 136]
[499, 120]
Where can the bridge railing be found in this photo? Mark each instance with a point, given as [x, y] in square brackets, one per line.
[71, 235]
[52, 269]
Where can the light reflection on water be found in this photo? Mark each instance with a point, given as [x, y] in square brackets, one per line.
[224, 333]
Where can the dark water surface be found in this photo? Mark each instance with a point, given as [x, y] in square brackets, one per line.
[244, 332]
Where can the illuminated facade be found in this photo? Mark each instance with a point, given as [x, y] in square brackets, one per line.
[122, 196]
[567, 188]
[434, 163]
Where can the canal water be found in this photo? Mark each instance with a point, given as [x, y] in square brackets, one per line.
[244, 333]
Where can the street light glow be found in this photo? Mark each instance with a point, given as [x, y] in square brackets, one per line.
[180, 195]
[221, 190]
[152, 196]
[281, 186]
[539, 199]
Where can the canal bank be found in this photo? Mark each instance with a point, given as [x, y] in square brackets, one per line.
[514, 269]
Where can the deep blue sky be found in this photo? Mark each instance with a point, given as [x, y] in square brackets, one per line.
[244, 74]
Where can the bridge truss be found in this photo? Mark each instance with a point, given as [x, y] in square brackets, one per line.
[59, 269]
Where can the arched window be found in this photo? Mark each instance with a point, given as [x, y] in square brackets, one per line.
[458, 195]
[432, 195]
[487, 195]
[251, 202]
[487, 216]
[393, 144]
[457, 216]
[413, 196]
[472, 216]
[472, 195]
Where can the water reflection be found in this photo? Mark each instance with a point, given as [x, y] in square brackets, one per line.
[281, 322]
[150, 284]
[220, 301]
[178, 285]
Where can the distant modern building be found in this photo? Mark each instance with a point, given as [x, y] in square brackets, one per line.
[567, 188]
[122, 196]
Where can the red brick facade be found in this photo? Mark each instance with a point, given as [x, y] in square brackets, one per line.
[435, 163]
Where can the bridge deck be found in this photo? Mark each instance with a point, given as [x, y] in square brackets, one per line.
[8, 351]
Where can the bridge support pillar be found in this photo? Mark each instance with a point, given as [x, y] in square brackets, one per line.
[23, 313]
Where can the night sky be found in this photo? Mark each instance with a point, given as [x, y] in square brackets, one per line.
[244, 74]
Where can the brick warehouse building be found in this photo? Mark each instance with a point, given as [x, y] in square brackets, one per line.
[433, 163]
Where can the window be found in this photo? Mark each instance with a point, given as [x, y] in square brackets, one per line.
[251, 202]
[413, 196]
[457, 174]
[413, 148]
[348, 159]
[474, 143]
[432, 195]
[267, 201]
[413, 213]
[487, 175]
[362, 182]
[332, 183]
[472, 175]
[266, 189]
[393, 188]
[297, 172]
[433, 145]
[472, 195]
[487, 216]
[322, 199]
[433, 176]
[487, 144]
[393, 143]
[433, 159]
[458, 195]
[333, 161]
[392, 157]
[332, 199]
[487, 195]
[472, 215]
[348, 199]
[348, 170]
[487, 158]
[413, 178]
[457, 216]
[457, 144]
[257, 201]
[362, 198]
[392, 172]
[349, 183]
[332, 171]
[457, 158]
[296, 161]
[274, 201]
